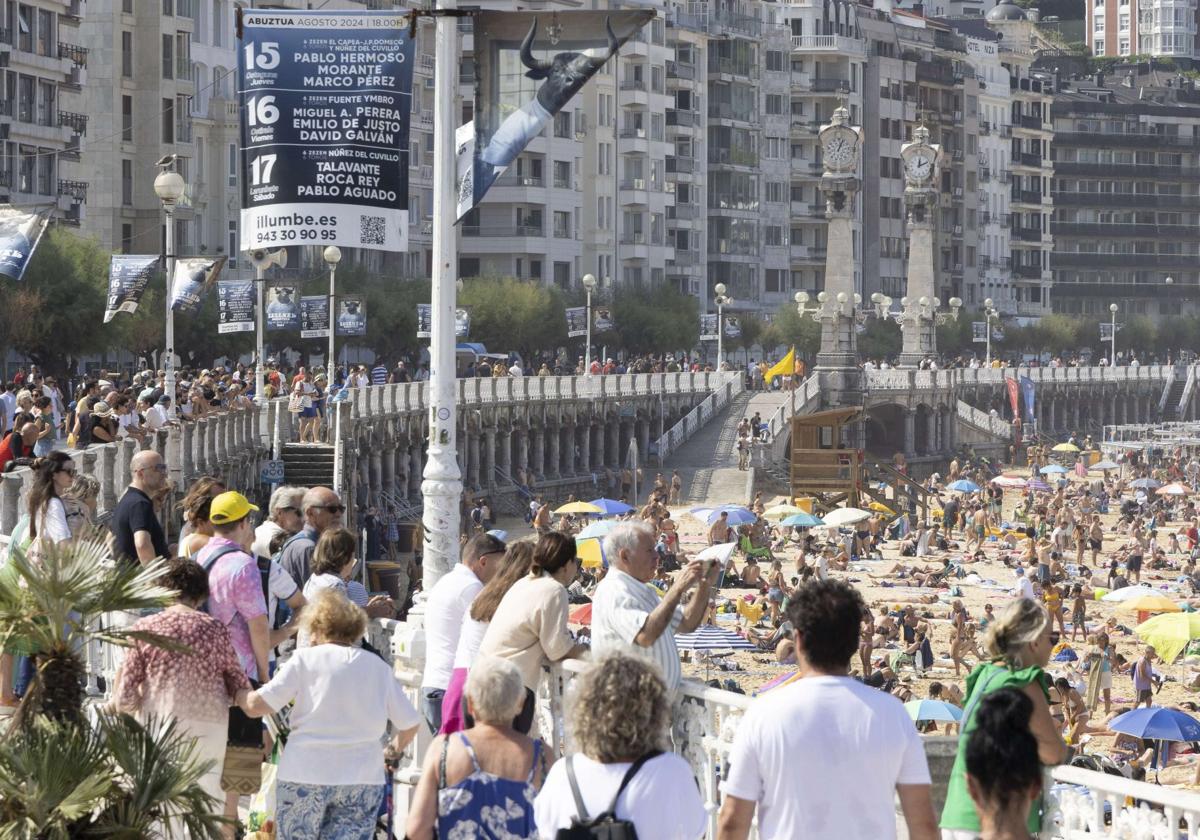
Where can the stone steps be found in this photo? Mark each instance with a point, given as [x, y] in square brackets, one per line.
[308, 464]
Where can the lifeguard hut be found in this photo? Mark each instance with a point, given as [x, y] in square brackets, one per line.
[823, 467]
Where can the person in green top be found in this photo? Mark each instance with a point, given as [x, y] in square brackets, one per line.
[1018, 642]
[1004, 776]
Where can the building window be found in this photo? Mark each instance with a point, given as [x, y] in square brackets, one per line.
[562, 275]
[1099, 48]
[168, 120]
[45, 34]
[562, 124]
[126, 238]
[233, 165]
[28, 171]
[233, 244]
[127, 182]
[774, 279]
[25, 99]
[168, 56]
[47, 104]
[25, 28]
[45, 171]
[127, 119]
[127, 54]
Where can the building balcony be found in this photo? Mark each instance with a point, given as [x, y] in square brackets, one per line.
[1128, 170]
[1110, 200]
[680, 119]
[1027, 234]
[732, 247]
[78, 55]
[936, 72]
[831, 86]
[496, 231]
[1139, 139]
[633, 94]
[678, 70]
[732, 157]
[77, 123]
[1034, 123]
[1110, 231]
[633, 191]
[726, 111]
[72, 14]
[1033, 159]
[1067, 259]
[985, 128]
[1027, 272]
[838, 44]
[803, 129]
[1027, 197]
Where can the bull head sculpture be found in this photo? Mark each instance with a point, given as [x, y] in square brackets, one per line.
[566, 72]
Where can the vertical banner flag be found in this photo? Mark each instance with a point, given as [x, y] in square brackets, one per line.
[708, 328]
[576, 321]
[283, 308]
[20, 233]
[128, 277]
[733, 326]
[1027, 394]
[602, 319]
[979, 332]
[1106, 330]
[314, 316]
[235, 306]
[462, 322]
[559, 53]
[424, 320]
[352, 315]
[1013, 398]
[192, 276]
[325, 99]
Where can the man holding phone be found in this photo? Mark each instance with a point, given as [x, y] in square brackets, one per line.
[627, 615]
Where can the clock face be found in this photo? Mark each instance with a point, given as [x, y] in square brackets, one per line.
[919, 166]
[839, 150]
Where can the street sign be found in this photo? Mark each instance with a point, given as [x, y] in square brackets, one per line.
[270, 472]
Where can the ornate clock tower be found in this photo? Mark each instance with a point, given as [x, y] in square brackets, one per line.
[922, 176]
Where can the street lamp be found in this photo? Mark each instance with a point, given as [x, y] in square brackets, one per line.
[989, 312]
[589, 283]
[333, 256]
[722, 301]
[169, 187]
[1113, 308]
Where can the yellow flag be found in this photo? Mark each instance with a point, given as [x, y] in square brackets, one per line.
[784, 367]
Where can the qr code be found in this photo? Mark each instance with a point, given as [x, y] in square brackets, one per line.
[372, 230]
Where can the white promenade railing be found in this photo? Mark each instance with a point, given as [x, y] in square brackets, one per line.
[1086, 805]
[722, 388]
[984, 421]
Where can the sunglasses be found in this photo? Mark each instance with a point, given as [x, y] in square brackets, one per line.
[330, 508]
[294, 510]
[71, 471]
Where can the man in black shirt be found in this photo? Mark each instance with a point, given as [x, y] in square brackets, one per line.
[137, 534]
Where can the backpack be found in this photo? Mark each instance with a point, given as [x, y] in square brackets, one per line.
[604, 826]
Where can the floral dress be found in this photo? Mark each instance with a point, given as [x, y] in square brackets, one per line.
[484, 806]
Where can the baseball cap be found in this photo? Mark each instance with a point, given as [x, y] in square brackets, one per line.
[147, 394]
[165, 399]
[230, 506]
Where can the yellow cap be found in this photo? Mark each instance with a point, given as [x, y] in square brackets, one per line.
[229, 507]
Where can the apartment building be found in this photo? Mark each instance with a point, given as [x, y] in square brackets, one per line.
[43, 68]
[1161, 28]
[1126, 194]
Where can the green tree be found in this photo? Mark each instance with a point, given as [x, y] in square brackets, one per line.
[53, 315]
[880, 339]
[655, 319]
[1137, 334]
[796, 330]
[954, 336]
[509, 314]
[753, 331]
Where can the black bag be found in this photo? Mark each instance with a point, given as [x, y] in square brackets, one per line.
[605, 826]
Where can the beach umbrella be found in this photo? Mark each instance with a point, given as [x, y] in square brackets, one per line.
[963, 486]
[611, 507]
[711, 637]
[781, 511]
[1128, 593]
[1065, 447]
[1173, 489]
[597, 529]
[880, 507]
[1145, 484]
[702, 513]
[1037, 485]
[938, 710]
[1054, 469]
[1152, 603]
[781, 680]
[577, 507]
[1011, 481]
[1157, 723]
[580, 615]
[803, 520]
[737, 516]
[1105, 465]
[590, 552]
[1169, 633]
[845, 516]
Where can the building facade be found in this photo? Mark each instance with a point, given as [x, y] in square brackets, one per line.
[1160, 28]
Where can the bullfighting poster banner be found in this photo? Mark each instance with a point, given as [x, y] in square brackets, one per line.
[325, 101]
[352, 315]
[528, 66]
[192, 276]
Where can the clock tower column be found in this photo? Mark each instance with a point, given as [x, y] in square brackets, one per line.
[922, 175]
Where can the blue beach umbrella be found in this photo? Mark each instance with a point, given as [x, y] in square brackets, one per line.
[1054, 469]
[597, 529]
[937, 710]
[612, 507]
[963, 486]
[1157, 724]
[803, 520]
[737, 516]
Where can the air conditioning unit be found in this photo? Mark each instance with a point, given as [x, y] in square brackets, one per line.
[958, 191]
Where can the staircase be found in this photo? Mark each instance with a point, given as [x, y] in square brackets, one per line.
[308, 464]
[906, 494]
[708, 462]
[1173, 394]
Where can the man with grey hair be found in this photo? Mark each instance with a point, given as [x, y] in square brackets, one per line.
[627, 616]
[285, 516]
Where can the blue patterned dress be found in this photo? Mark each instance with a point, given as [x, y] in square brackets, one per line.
[484, 806]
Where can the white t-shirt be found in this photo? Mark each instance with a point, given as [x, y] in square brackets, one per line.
[445, 610]
[469, 641]
[52, 524]
[860, 742]
[665, 780]
[263, 535]
[280, 587]
[344, 698]
[1024, 588]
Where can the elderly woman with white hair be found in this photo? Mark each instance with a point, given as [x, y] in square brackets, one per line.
[628, 617]
[480, 783]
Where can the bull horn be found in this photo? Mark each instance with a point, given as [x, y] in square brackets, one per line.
[613, 43]
[527, 52]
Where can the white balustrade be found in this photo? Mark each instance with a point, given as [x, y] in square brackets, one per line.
[1086, 805]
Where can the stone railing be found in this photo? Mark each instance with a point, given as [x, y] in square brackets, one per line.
[983, 421]
[229, 443]
[909, 379]
[1092, 375]
[1085, 804]
[722, 388]
[807, 395]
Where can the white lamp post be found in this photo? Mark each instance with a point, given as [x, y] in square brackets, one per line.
[333, 256]
[169, 187]
[989, 312]
[1113, 308]
[722, 301]
[589, 283]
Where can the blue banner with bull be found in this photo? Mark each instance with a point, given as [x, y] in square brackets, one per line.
[558, 52]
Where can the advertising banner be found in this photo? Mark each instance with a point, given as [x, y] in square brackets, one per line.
[602, 319]
[979, 332]
[235, 306]
[559, 52]
[708, 328]
[462, 322]
[576, 321]
[424, 320]
[1013, 395]
[352, 315]
[1027, 393]
[733, 326]
[20, 233]
[128, 277]
[314, 316]
[326, 99]
[192, 276]
[283, 308]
